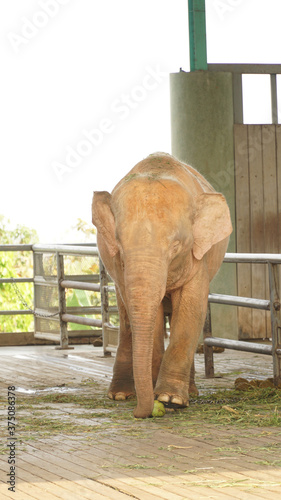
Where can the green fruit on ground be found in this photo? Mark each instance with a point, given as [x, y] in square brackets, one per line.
[158, 409]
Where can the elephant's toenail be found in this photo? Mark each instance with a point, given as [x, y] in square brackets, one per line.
[177, 400]
[120, 396]
[165, 398]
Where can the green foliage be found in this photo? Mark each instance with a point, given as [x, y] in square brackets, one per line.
[80, 298]
[16, 265]
[86, 229]
[20, 235]
[20, 265]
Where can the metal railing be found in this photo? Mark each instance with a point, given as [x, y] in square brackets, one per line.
[59, 314]
[91, 283]
[273, 305]
[62, 315]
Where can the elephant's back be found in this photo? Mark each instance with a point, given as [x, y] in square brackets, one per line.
[162, 165]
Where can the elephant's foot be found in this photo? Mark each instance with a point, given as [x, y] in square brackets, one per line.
[193, 389]
[174, 396]
[172, 400]
[121, 390]
[175, 399]
[120, 395]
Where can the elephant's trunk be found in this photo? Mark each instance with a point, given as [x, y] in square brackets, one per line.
[145, 282]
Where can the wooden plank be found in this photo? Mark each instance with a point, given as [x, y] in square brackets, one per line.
[257, 224]
[197, 450]
[166, 479]
[192, 452]
[74, 485]
[165, 482]
[9, 495]
[63, 456]
[278, 167]
[244, 279]
[27, 484]
[270, 203]
[44, 369]
[236, 471]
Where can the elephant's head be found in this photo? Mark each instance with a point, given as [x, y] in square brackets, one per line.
[155, 230]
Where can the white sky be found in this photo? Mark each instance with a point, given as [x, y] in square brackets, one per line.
[72, 67]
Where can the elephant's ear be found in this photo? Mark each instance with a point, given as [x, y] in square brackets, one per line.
[212, 222]
[103, 219]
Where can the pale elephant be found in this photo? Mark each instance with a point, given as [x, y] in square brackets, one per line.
[162, 232]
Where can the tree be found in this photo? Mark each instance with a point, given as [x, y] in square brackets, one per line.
[16, 265]
[88, 230]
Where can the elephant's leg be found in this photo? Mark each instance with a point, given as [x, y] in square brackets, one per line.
[192, 386]
[189, 311]
[158, 344]
[122, 384]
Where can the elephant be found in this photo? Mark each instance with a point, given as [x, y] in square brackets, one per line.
[162, 232]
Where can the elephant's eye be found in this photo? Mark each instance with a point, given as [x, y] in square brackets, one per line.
[122, 262]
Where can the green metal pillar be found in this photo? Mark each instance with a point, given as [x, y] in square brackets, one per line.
[202, 120]
[197, 35]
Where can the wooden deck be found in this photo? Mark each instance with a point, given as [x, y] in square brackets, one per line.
[107, 457]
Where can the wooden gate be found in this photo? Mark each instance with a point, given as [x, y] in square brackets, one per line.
[257, 152]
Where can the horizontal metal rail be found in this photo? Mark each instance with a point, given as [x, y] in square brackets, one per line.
[80, 285]
[232, 300]
[66, 249]
[15, 313]
[253, 258]
[16, 280]
[270, 69]
[16, 248]
[86, 278]
[92, 250]
[71, 318]
[88, 309]
[239, 345]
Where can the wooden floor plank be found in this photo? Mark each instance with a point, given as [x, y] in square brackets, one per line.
[38, 491]
[163, 485]
[166, 478]
[273, 475]
[162, 464]
[66, 460]
[19, 494]
[237, 476]
[29, 482]
[52, 472]
[118, 455]
[68, 486]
